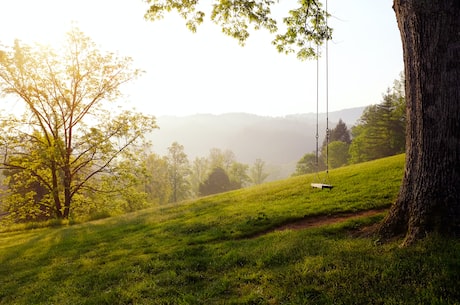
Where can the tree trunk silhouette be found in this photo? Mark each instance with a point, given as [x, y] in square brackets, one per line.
[429, 198]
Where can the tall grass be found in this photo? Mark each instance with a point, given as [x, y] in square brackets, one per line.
[209, 251]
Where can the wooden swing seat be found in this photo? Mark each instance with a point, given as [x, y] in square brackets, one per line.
[321, 186]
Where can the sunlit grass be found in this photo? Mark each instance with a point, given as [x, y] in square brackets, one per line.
[210, 251]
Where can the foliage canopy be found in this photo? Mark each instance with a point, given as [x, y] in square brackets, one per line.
[304, 28]
[68, 134]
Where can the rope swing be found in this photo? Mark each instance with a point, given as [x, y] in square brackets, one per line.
[324, 183]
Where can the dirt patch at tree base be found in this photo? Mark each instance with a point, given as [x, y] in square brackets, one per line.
[318, 221]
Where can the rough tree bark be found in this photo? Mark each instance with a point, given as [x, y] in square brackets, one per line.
[429, 198]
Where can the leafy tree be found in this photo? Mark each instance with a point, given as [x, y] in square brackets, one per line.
[257, 172]
[179, 170]
[238, 175]
[3, 188]
[217, 182]
[24, 197]
[67, 135]
[303, 29]
[361, 148]
[222, 159]
[306, 164]
[157, 184]
[200, 172]
[338, 154]
[430, 192]
[125, 187]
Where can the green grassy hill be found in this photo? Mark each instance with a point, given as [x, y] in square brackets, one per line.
[223, 250]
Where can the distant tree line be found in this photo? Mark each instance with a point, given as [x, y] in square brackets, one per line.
[379, 133]
[218, 172]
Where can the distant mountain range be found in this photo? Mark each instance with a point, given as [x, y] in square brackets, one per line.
[279, 141]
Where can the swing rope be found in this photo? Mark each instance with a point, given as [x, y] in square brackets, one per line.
[327, 101]
[317, 111]
[324, 183]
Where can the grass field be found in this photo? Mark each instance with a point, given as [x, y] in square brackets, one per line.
[222, 250]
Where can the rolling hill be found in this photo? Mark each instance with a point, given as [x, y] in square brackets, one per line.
[226, 249]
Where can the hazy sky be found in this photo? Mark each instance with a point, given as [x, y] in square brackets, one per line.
[208, 72]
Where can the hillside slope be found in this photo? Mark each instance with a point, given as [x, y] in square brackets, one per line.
[209, 251]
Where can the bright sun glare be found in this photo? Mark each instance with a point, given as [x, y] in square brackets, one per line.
[36, 22]
[208, 63]
[47, 21]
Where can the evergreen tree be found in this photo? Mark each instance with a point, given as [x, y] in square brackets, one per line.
[381, 129]
[340, 135]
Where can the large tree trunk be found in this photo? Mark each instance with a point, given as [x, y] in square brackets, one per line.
[429, 198]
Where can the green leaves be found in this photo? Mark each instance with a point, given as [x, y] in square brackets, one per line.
[186, 8]
[179, 171]
[304, 29]
[234, 17]
[67, 137]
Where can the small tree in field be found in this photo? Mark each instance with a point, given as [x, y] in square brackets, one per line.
[257, 172]
[68, 133]
[200, 169]
[157, 184]
[179, 172]
[238, 175]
